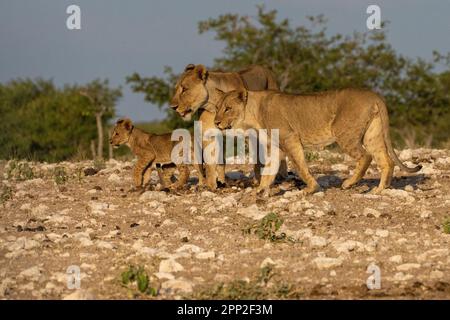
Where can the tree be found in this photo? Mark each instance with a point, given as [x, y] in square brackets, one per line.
[306, 59]
[102, 101]
[42, 122]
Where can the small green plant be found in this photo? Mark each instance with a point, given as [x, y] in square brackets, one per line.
[139, 276]
[6, 194]
[446, 226]
[99, 164]
[311, 156]
[256, 288]
[79, 174]
[60, 175]
[19, 171]
[267, 228]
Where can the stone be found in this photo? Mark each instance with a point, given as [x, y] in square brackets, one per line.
[382, 233]
[327, 263]
[176, 286]
[189, 248]
[164, 275]
[408, 266]
[252, 212]
[115, 178]
[170, 266]
[339, 167]
[80, 294]
[33, 273]
[205, 255]
[347, 246]
[267, 262]
[317, 242]
[396, 259]
[371, 212]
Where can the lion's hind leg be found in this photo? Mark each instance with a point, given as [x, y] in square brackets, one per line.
[376, 146]
[357, 152]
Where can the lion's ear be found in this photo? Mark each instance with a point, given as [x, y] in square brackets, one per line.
[243, 96]
[202, 72]
[127, 124]
[189, 67]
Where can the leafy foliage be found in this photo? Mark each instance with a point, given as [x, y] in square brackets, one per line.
[307, 59]
[42, 122]
[256, 288]
[267, 228]
[139, 276]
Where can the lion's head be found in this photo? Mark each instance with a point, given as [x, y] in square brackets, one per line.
[121, 132]
[231, 109]
[190, 91]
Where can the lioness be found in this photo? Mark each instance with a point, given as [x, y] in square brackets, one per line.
[197, 88]
[152, 151]
[357, 120]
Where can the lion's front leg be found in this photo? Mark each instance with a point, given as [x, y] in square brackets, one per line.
[139, 171]
[293, 147]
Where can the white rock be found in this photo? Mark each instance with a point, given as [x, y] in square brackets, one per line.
[436, 274]
[318, 242]
[189, 248]
[396, 193]
[153, 196]
[425, 214]
[347, 246]
[176, 286]
[428, 169]
[267, 262]
[408, 266]
[409, 188]
[327, 263]
[252, 212]
[207, 194]
[32, 273]
[25, 206]
[400, 276]
[382, 233]
[115, 178]
[104, 245]
[170, 266]
[40, 210]
[164, 275]
[80, 294]
[405, 154]
[396, 259]
[206, 255]
[339, 167]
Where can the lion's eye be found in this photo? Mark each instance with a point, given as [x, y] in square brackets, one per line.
[183, 89]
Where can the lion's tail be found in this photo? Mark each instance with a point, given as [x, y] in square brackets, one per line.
[382, 109]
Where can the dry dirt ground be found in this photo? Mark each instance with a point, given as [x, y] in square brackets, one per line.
[201, 245]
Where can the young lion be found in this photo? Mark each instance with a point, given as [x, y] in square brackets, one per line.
[357, 120]
[152, 151]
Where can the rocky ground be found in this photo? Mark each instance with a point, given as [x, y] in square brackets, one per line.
[55, 219]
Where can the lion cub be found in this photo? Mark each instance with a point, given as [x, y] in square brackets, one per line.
[152, 151]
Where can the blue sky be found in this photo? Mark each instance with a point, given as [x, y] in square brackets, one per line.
[120, 37]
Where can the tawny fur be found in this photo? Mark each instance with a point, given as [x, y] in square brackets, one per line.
[357, 120]
[199, 89]
[152, 151]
